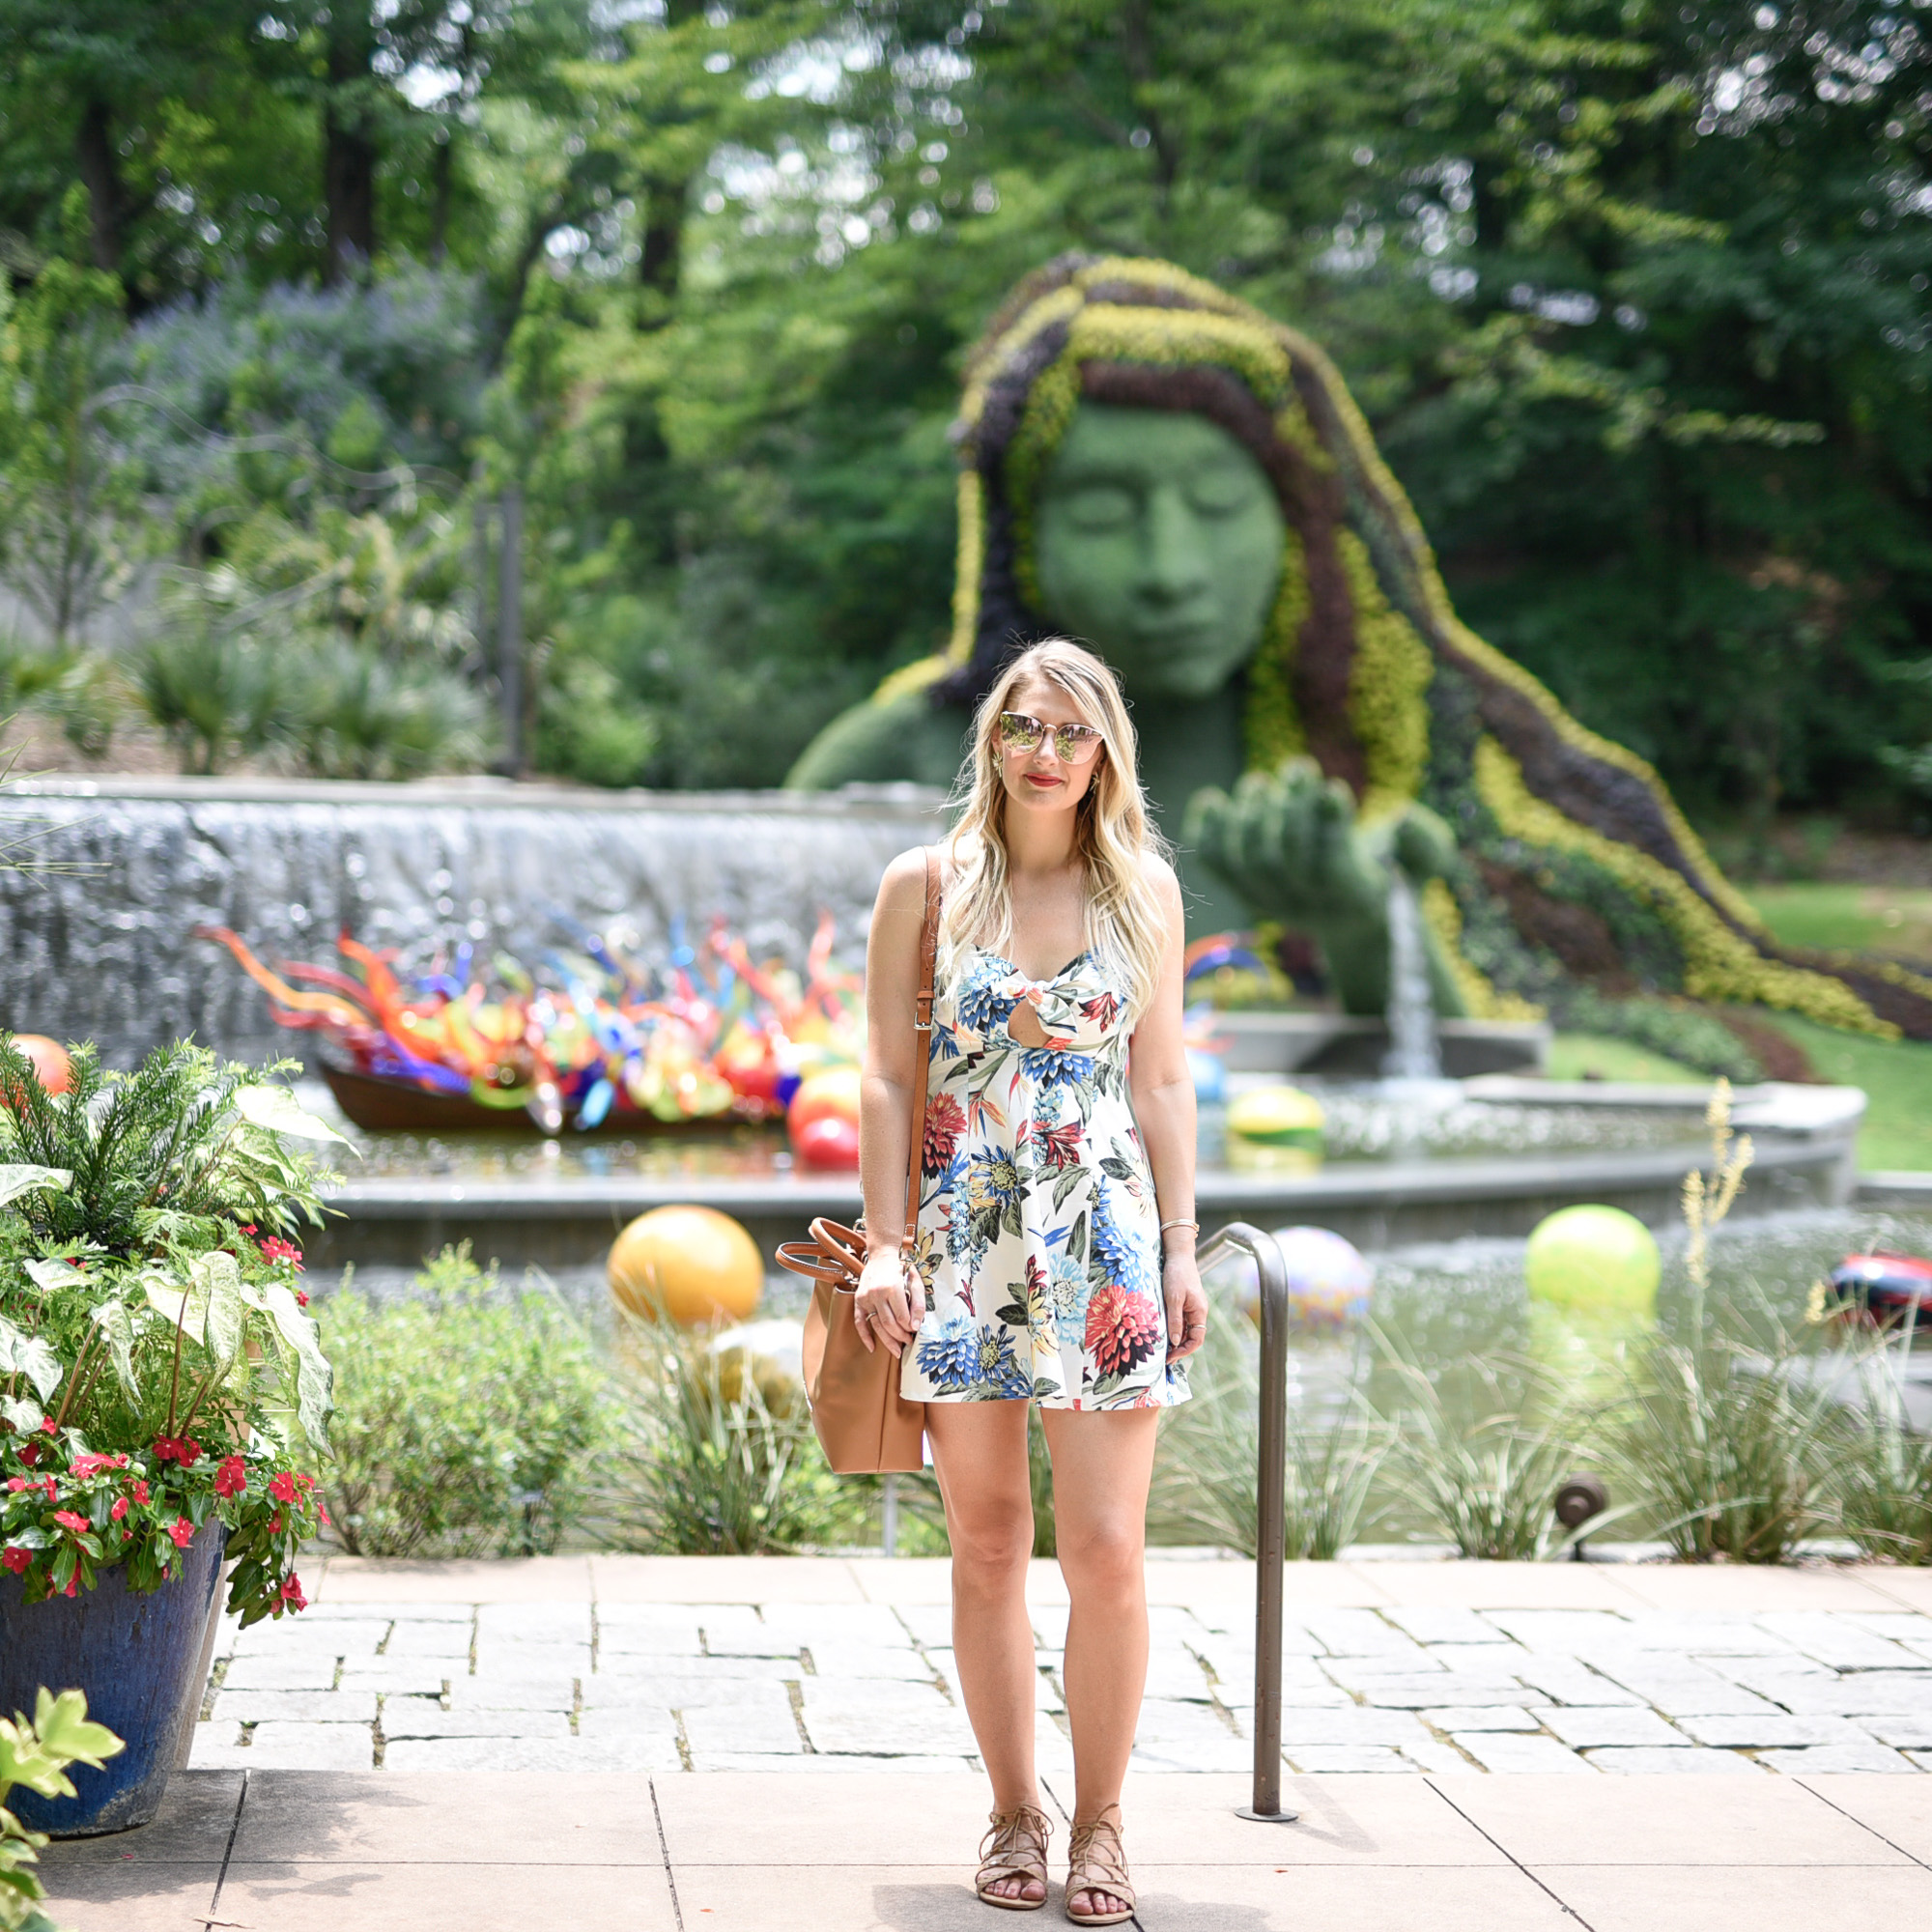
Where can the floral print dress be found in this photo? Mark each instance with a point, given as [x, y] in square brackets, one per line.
[1038, 1235]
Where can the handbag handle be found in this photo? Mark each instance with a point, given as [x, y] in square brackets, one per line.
[922, 1028]
[837, 1254]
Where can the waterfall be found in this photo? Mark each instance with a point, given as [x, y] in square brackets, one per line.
[96, 934]
[1415, 1051]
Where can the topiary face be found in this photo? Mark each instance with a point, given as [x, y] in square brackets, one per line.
[1157, 539]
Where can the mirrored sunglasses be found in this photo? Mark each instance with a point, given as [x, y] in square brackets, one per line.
[1074, 743]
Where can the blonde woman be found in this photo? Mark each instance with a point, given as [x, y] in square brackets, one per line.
[1056, 1227]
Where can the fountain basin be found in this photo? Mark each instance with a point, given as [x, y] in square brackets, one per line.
[1344, 1044]
[1806, 1157]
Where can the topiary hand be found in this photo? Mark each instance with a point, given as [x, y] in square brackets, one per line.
[1290, 842]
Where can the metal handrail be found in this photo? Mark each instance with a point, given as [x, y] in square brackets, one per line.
[1271, 1509]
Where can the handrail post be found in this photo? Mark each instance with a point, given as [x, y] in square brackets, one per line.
[1271, 1511]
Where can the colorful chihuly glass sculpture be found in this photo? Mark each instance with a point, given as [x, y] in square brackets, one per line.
[594, 1038]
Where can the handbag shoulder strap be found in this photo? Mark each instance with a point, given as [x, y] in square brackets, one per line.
[921, 1023]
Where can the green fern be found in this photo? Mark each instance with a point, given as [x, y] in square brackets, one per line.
[157, 1157]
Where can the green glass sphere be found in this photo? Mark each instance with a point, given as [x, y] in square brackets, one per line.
[1594, 1261]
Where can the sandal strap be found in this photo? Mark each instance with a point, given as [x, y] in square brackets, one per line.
[1015, 1845]
[1096, 1858]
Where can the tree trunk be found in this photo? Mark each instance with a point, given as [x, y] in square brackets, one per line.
[441, 170]
[94, 152]
[664, 237]
[349, 145]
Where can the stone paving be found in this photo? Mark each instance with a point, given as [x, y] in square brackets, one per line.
[600, 1667]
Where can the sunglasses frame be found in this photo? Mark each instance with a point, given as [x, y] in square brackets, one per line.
[1092, 740]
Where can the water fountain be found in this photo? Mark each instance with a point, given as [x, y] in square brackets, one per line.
[1415, 1052]
[97, 939]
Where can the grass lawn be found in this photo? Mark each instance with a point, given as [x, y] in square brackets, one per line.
[1896, 1076]
[1589, 1056]
[1888, 919]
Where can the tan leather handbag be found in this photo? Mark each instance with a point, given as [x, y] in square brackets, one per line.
[862, 1421]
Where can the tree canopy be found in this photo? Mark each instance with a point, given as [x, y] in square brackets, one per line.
[1634, 295]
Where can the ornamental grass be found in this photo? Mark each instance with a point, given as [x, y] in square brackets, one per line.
[705, 1459]
[1204, 1466]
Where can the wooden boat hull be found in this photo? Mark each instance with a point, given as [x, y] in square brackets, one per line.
[390, 1107]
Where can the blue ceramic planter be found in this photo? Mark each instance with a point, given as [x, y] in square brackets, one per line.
[139, 1660]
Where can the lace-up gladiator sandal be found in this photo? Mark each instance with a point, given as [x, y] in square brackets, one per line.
[1014, 1847]
[1097, 1861]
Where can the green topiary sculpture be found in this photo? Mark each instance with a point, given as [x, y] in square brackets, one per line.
[1163, 471]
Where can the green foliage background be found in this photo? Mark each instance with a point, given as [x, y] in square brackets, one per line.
[1635, 296]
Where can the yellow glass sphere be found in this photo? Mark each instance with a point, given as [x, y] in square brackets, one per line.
[692, 1265]
[1278, 1117]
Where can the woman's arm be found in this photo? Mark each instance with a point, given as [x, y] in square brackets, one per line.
[886, 1307]
[1163, 1099]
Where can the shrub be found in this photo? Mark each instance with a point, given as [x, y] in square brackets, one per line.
[1673, 1028]
[215, 693]
[590, 728]
[467, 1418]
[38, 1755]
[357, 715]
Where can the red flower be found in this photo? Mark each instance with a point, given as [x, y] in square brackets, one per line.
[945, 1123]
[30, 1452]
[68, 1520]
[182, 1449]
[275, 1524]
[141, 1493]
[183, 1532]
[283, 1487]
[292, 1593]
[120, 1508]
[322, 1509]
[275, 1249]
[16, 1559]
[301, 1297]
[246, 1228]
[232, 1478]
[84, 1466]
[1121, 1329]
[18, 1483]
[1102, 1010]
[72, 1584]
[47, 1424]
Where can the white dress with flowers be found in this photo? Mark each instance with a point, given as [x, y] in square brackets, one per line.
[1038, 1235]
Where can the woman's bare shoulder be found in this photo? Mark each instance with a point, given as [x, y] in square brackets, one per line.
[903, 883]
[1161, 876]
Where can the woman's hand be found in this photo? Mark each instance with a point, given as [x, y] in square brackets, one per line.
[1186, 1305]
[884, 1308]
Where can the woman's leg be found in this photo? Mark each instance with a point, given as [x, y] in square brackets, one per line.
[1102, 1462]
[979, 1455]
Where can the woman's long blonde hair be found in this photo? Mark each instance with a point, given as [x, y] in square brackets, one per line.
[1126, 925]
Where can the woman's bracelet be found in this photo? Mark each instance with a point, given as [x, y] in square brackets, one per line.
[1180, 1221]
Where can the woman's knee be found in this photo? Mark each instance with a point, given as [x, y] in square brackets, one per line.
[1107, 1555]
[990, 1545]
